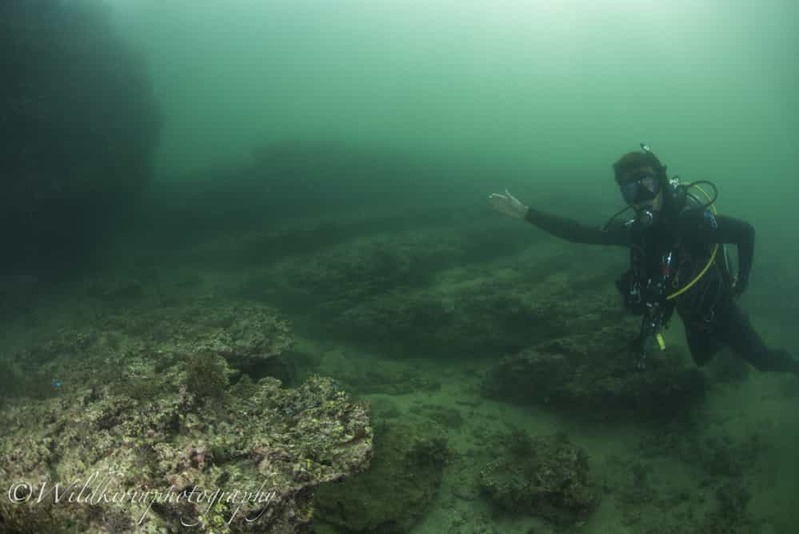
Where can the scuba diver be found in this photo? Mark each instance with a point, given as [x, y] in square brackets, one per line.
[677, 261]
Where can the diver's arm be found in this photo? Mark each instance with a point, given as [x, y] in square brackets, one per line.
[615, 233]
[742, 234]
[568, 229]
[733, 231]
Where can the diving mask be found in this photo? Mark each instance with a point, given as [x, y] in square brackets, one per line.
[643, 186]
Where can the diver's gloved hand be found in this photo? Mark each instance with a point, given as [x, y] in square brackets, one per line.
[739, 285]
[508, 204]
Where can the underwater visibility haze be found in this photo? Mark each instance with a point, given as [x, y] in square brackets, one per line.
[248, 246]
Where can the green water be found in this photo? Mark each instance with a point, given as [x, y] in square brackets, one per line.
[565, 85]
[551, 91]
[540, 96]
[554, 90]
[446, 102]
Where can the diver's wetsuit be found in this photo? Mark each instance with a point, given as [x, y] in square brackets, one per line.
[710, 315]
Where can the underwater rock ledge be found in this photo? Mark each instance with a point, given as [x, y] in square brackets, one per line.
[591, 374]
[94, 445]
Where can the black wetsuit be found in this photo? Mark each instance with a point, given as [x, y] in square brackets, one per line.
[708, 309]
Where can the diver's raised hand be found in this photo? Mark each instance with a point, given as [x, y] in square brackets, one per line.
[508, 204]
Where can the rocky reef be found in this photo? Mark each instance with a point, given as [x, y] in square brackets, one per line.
[400, 296]
[153, 426]
[592, 374]
[410, 456]
[127, 345]
[541, 476]
[97, 461]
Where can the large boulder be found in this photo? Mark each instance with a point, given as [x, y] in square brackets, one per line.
[127, 345]
[399, 486]
[546, 477]
[96, 460]
[593, 374]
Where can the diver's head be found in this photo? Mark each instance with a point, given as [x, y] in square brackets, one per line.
[643, 183]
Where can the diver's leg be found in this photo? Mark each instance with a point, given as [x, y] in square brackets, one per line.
[737, 331]
[701, 342]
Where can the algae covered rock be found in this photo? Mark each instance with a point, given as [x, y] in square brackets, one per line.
[541, 476]
[98, 461]
[131, 344]
[243, 333]
[593, 374]
[395, 492]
